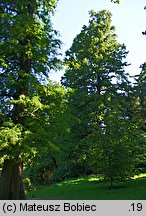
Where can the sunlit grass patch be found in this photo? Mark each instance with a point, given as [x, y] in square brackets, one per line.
[91, 188]
[80, 180]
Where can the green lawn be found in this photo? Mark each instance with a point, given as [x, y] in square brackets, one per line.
[92, 189]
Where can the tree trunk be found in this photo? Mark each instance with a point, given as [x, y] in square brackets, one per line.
[11, 184]
[110, 172]
[111, 183]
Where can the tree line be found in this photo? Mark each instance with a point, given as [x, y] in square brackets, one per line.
[94, 122]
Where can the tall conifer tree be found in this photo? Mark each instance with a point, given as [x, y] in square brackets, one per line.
[95, 71]
[28, 51]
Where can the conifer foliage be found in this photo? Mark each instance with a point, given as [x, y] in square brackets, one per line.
[28, 51]
[95, 71]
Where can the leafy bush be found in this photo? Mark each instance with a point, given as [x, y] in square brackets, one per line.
[70, 170]
[41, 171]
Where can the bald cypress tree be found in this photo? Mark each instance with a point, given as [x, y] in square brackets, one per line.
[28, 51]
[100, 91]
[95, 70]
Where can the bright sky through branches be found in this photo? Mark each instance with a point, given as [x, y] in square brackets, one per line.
[129, 17]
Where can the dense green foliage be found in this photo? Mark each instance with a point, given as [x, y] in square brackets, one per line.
[28, 52]
[26, 59]
[54, 126]
[94, 122]
[98, 102]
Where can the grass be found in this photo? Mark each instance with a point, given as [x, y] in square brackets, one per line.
[90, 188]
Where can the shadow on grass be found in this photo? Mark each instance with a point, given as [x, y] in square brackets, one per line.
[116, 187]
[92, 188]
